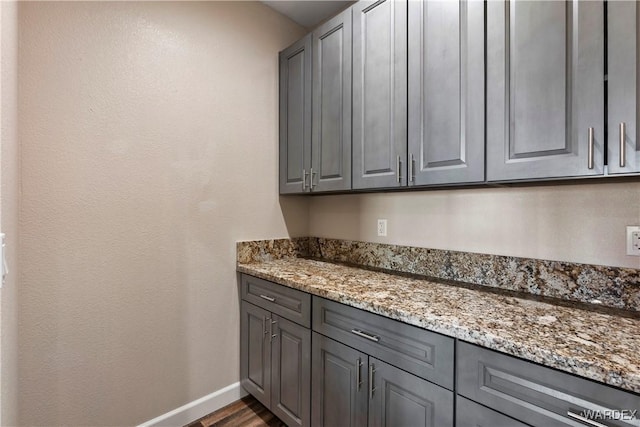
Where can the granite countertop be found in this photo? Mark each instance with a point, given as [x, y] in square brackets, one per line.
[597, 345]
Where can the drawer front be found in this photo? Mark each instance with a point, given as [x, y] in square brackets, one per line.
[537, 395]
[470, 414]
[289, 303]
[423, 353]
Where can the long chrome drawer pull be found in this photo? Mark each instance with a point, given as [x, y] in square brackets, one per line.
[358, 378]
[623, 154]
[359, 333]
[270, 299]
[584, 420]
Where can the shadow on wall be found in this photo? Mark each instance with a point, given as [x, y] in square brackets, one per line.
[295, 213]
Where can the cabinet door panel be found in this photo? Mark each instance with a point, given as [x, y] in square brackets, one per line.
[291, 373]
[379, 93]
[623, 91]
[470, 414]
[295, 116]
[255, 352]
[331, 141]
[446, 92]
[339, 384]
[401, 399]
[545, 88]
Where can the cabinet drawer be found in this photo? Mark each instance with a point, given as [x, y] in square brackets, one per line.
[470, 414]
[535, 394]
[423, 353]
[286, 302]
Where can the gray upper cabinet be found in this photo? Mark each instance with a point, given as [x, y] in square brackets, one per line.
[623, 51]
[379, 94]
[446, 92]
[545, 89]
[331, 123]
[295, 117]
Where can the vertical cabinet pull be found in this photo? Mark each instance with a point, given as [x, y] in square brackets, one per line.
[411, 162]
[590, 150]
[272, 335]
[623, 154]
[264, 324]
[372, 370]
[398, 165]
[304, 180]
[358, 378]
[312, 174]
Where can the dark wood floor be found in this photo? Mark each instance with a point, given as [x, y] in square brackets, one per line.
[246, 412]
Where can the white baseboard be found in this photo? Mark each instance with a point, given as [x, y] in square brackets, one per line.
[198, 408]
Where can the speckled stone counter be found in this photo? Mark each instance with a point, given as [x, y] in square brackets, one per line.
[594, 344]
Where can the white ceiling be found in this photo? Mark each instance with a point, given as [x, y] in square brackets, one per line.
[307, 13]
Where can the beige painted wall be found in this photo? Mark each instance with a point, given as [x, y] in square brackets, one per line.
[9, 209]
[580, 223]
[149, 139]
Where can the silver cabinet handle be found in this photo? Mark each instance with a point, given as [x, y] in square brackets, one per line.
[312, 174]
[372, 371]
[304, 180]
[590, 150]
[270, 299]
[584, 420]
[398, 173]
[358, 378]
[623, 154]
[273, 322]
[359, 333]
[411, 161]
[264, 324]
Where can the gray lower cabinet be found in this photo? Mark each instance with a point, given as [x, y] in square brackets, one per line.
[350, 388]
[331, 123]
[379, 94]
[295, 117]
[375, 371]
[623, 51]
[545, 89]
[339, 384]
[275, 348]
[537, 395]
[398, 399]
[255, 352]
[446, 92]
[471, 414]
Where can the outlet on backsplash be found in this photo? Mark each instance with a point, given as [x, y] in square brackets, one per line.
[382, 227]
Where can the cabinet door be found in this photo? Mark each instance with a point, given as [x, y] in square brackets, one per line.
[331, 129]
[446, 92]
[379, 94]
[401, 399]
[255, 352]
[295, 116]
[470, 414]
[338, 384]
[623, 50]
[290, 372]
[545, 89]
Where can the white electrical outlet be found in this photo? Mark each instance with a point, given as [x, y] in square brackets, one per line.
[633, 240]
[382, 227]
